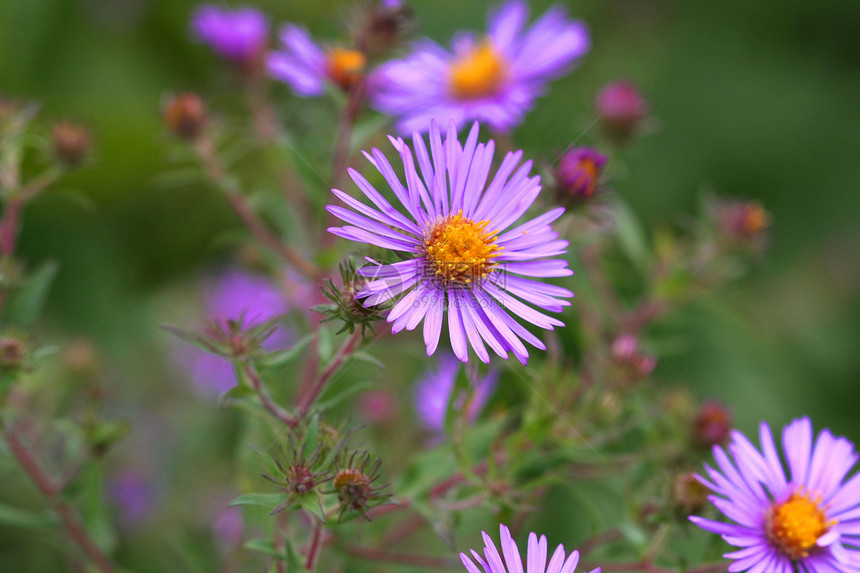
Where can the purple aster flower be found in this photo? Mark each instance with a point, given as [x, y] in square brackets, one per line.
[808, 521]
[239, 35]
[433, 393]
[494, 78]
[464, 258]
[233, 296]
[307, 66]
[492, 562]
[578, 173]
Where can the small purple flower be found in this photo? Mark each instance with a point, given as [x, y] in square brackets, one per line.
[433, 392]
[228, 527]
[491, 561]
[238, 35]
[807, 521]
[466, 260]
[307, 66]
[494, 79]
[236, 295]
[579, 172]
[133, 496]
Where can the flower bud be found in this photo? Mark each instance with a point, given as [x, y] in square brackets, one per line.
[185, 115]
[625, 348]
[632, 364]
[353, 483]
[620, 109]
[688, 494]
[713, 424]
[578, 174]
[71, 143]
[383, 27]
[13, 355]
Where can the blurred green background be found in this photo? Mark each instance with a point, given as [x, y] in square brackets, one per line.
[756, 100]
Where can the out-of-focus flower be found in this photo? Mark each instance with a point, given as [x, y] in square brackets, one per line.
[236, 296]
[378, 406]
[493, 78]
[185, 115]
[71, 143]
[578, 174]
[741, 221]
[133, 496]
[536, 558]
[803, 522]
[627, 355]
[713, 424]
[228, 526]
[621, 109]
[465, 263]
[237, 35]
[306, 66]
[433, 393]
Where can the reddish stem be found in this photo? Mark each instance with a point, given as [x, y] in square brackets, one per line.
[69, 518]
[246, 214]
[314, 547]
[307, 398]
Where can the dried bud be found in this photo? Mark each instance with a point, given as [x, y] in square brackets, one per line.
[578, 174]
[185, 115]
[13, 355]
[346, 306]
[71, 143]
[631, 362]
[298, 476]
[621, 109]
[80, 357]
[383, 27]
[713, 424]
[688, 494]
[353, 483]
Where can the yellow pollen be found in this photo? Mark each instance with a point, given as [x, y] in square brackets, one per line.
[755, 219]
[345, 66]
[461, 250]
[478, 73]
[795, 525]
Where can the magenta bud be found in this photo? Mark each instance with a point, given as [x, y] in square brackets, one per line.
[579, 172]
[621, 109]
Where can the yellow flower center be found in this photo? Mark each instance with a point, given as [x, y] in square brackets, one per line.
[345, 66]
[755, 219]
[461, 250]
[478, 73]
[795, 525]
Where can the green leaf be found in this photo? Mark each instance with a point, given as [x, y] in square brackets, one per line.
[631, 237]
[340, 396]
[269, 461]
[267, 500]
[27, 302]
[25, 518]
[263, 546]
[281, 357]
[312, 503]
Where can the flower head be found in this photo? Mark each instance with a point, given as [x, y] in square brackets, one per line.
[806, 521]
[236, 298]
[578, 173]
[536, 562]
[238, 35]
[433, 393]
[493, 78]
[464, 259]
[307, 66]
